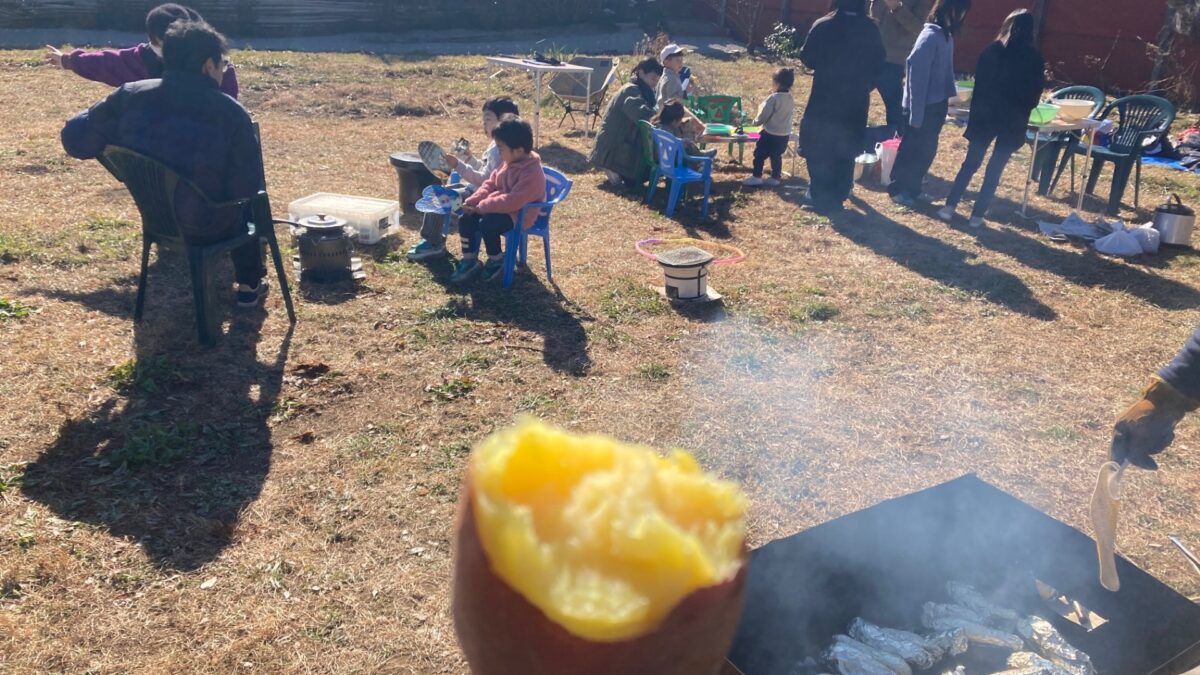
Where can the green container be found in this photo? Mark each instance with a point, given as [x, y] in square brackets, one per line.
[966, 84]
[1043, 114]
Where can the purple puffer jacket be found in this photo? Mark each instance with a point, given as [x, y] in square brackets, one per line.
[116, 67]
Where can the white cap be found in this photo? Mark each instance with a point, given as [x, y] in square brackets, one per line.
[669, 51]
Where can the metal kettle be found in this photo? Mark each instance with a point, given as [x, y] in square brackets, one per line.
[1175, 222]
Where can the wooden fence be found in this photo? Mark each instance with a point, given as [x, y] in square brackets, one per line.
[1112, 44]
[304, 17]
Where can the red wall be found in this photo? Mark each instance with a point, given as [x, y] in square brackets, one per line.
[1077, 37]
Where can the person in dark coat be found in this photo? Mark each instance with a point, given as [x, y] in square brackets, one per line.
[1148, 426]
[618, 148]
[185, 122]
[846, 54]
[1009, 79]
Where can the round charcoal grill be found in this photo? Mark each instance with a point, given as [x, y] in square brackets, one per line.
[326, 250]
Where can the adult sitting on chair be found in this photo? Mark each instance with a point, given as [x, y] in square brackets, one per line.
[184, 121]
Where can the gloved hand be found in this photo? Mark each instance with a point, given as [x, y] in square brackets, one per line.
[1148, 426]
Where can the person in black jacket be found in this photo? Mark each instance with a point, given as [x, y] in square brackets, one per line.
[846, 54]
[1008, 84]
[1148, 426]
[185, 122]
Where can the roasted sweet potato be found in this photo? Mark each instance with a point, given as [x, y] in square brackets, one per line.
[578, 554]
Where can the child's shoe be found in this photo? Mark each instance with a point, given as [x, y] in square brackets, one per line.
[251, 296]
[946, 213]
[493, 270]
[465, 270]
[773, 182]
[753, 181]
[975, 221]
[424, 251]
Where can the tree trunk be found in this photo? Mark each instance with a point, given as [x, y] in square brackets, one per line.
[1039, 20]
[1166, 38]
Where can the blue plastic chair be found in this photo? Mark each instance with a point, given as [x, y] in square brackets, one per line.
[668, 150]
[517, 239]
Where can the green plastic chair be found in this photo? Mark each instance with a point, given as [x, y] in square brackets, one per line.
[1048, 153]
[153, 187]
[646, 138]
[721, 109]
[1139, 118]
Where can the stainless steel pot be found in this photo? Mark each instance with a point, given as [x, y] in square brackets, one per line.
[1175, 222]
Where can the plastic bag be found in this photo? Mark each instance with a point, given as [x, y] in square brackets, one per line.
[1120, 243]
[1148, 237]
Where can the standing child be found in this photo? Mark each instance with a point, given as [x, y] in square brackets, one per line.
[846, 53]
[928, 88]
[116, 67]
[670, 85]
[775, 118]
[473, 171]
[1008, 84]
[492, 210]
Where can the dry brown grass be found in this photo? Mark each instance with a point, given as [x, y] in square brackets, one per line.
[286, 517]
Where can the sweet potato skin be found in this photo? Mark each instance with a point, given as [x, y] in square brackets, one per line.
[502, 633]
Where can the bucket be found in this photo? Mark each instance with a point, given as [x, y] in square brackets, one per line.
[414, 177]
[864, 166]
[886, 151]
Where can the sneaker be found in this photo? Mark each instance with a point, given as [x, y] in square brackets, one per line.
[773, 182]
[753, 181]
[614, 179]
[904, 199]
[946, 213]
[925, 198]
[465, 270]
[493, 270]
[424, 251]
[251, 296]
[975, 221]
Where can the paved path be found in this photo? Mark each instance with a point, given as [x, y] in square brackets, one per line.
[578, 39]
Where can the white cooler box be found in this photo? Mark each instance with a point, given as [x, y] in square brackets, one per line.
[369, 217]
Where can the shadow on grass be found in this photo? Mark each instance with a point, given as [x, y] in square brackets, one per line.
[567, 160]
[529, 306]
[179, 447]
[935, 259]
[1084, 267]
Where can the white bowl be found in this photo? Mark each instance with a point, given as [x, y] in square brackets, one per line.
[1071, 110]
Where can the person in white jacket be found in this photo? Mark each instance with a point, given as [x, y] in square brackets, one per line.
[775, 117]
[473, 171]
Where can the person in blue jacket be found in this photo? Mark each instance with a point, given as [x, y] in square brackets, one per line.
[1148, 426]
[184, 121]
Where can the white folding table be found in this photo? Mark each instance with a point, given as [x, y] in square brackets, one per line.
[1087, 126]
[537, 69]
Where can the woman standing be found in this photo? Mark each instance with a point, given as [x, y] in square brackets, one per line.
[846, 54]
[618, 149]
[928, 89]
[1008, 84]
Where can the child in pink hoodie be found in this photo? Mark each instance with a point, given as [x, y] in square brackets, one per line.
[492, 210]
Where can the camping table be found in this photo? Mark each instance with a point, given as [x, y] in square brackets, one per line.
[1087, 126]
[747, 138]
[537, 69]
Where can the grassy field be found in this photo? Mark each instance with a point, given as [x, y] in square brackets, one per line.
[283, 502]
